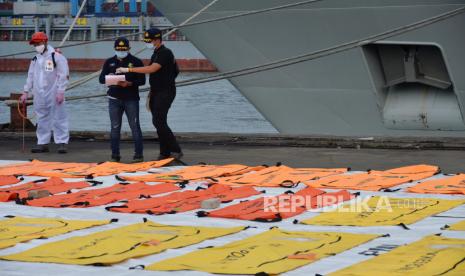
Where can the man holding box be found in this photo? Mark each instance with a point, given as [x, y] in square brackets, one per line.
[123, 98]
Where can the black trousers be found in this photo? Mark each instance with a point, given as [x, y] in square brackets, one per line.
[160, 103]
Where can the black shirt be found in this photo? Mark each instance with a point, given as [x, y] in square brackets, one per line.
[118, 92]
[165, 77]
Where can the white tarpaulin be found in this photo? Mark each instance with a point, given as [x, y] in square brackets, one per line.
[393, 235]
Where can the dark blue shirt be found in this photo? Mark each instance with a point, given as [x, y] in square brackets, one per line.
[118, 92]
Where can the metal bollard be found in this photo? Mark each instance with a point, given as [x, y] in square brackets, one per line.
[16, 120]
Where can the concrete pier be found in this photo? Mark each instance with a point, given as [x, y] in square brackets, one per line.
[323, 152]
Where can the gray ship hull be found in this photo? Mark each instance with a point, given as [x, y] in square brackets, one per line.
[373, 90]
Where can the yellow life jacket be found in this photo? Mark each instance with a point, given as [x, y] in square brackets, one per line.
[20, 229]
[459, 226]
[383, 211]
[116, 245]
[431, 255]
[273, 252]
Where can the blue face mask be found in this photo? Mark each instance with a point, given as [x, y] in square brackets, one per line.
[149, 45]
[121, 54]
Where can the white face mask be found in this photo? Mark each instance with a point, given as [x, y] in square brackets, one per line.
[40, 49]
[121, 54]
[149, 45]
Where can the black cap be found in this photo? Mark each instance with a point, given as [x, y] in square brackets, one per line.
[121, 44]
[152, 34]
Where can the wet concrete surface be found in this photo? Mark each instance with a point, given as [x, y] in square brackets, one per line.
[450, 161]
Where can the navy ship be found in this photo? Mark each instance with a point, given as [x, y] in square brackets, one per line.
[411, 84]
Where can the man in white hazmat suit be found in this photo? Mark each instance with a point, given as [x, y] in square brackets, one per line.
[47, 80]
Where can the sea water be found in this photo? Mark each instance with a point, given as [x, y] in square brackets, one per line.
[209, 107]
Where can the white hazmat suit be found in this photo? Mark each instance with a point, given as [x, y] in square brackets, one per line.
[45, 80]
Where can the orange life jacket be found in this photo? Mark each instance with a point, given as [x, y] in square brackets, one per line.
[8, 180]
[65, 170]
[262, 210]
[102, 196]
[447, 185]
[78, 170]
[279, 176]
[375, 180]
[109, 168]
[183, 201]
[53, 185]
[40, 168]
[198, 172]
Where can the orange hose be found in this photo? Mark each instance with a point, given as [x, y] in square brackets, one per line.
[23, 111]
